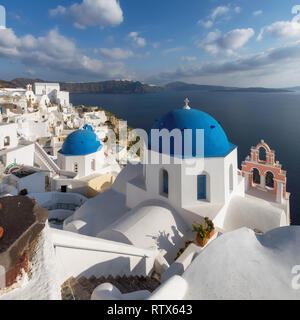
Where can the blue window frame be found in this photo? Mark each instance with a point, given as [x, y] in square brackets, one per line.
[165, 182]
[201, 188]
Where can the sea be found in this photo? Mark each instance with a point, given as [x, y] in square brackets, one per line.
[246, 117]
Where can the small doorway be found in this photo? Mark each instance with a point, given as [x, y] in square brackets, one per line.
[64, 189]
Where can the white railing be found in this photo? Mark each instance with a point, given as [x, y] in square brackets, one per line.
[50, 164]
[45, 159]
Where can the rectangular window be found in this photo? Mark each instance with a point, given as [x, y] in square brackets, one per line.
[201, 187]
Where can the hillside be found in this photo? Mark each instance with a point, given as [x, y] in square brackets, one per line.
[22, 82]
[113, 86]
[182, 86]
[109, 87]
[6, 84]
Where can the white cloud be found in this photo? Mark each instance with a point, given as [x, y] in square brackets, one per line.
[116, 53]
[56, 53]
[137, 40]
[210, 44]
[30, 72]
[235, 39]
[8, 38]
[79, 26]
[237, 9]
[171, 50]
[278, 67]
[188, 59]
[206, 24]
[216, 13]
[91, 13]
[219, 11]
[60, 10]
[281, 30]
[257, 13]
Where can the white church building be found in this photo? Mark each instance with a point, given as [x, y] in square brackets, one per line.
[155, 204]
[82, 153]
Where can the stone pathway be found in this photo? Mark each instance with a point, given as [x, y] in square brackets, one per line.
[83, 288]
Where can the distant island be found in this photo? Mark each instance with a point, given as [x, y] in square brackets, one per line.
[182, 86]
[129, 87]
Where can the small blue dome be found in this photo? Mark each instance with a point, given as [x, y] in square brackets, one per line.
[216, 143]
[81, 143]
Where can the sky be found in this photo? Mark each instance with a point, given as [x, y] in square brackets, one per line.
[233, 43]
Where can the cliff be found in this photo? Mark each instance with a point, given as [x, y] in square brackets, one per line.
[6, 84]
[113, 86]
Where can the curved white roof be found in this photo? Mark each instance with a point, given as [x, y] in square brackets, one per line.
[150, 224]
[100, 212]
[254, 214]
[244, 265]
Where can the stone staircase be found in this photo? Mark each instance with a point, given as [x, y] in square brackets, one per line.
[83, 288]
[44, 160]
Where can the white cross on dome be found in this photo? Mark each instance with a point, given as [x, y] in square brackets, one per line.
[187, 101]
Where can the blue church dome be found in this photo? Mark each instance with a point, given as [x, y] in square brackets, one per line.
[216, 143]
[81, 143]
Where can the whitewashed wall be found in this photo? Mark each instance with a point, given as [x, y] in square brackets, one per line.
[8, 130]
[23, 155]
[79, 255]
[84, 163]
[33, 183]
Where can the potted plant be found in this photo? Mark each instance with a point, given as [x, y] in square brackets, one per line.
[210, 227]
[202, 233]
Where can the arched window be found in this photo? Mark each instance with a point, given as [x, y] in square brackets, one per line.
[164, 183]
[231, 178]
[6, 141]
[270, 180]
[262, 154]
[76, 167]
[256, 176]
[201, 187]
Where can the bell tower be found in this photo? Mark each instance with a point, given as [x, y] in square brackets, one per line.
[261, 171]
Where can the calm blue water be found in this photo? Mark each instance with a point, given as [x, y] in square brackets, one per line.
[246, 118]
